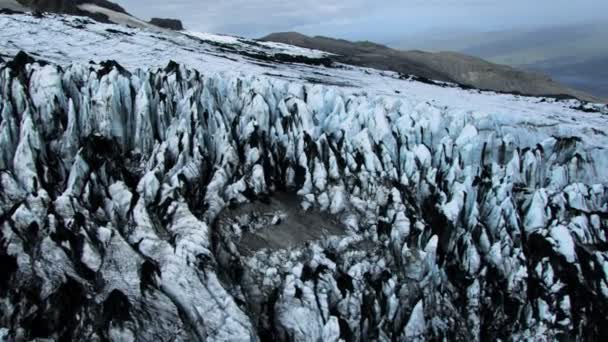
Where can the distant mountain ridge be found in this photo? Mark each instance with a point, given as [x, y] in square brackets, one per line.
[590, 75]
[443, 66]
[571, 54]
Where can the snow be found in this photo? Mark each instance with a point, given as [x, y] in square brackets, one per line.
[331, 330]
[564, 242]
[218, 38]
[115, 17]
[414, 329]
[294, 50]
[468, 133]
[337, 201]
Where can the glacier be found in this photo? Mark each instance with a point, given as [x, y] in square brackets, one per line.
[131, 158]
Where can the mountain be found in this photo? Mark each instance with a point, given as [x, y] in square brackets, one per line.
[77, 7]
[182, 186]
[69, 6]
[99, 10]
[590, 75]
[444, 66]
[571, 54]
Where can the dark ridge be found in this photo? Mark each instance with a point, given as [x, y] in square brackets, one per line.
[119, 32]
[307, 273]
[8, 266]
[37, 14]
[289, 59]
[18, 63]
[57, 315]
[116, 308]
[107, 67]
[266, 331]
[171, 24]
[96, 149]
[300, 176]
[172, 67]
[586, 109]
[422, 79]
[69, 6]
[8, 11]
[345, 283]
[286, 58]
[148, 272]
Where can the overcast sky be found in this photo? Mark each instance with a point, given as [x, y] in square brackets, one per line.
[378, 20]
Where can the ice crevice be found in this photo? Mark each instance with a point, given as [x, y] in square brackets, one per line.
[115, 184]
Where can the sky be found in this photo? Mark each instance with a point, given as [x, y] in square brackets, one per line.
[379, 20]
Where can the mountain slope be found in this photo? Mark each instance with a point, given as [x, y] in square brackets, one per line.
[69, 6]
[99, 10]
[445, 66]
[138, 197]
[74, 7]
[570, 54]
[590, 75]
[12, 5]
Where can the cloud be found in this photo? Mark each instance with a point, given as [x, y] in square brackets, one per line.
[250, 17]
[366, 19]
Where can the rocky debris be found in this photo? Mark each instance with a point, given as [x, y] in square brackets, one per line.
[274, 223]
[116, 184]
[171, 24]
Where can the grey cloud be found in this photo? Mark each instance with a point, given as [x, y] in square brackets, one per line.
[366, 19]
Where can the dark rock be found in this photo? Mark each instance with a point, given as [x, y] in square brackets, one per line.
[71, 7]
[8, 266]
[17, 65]
[171, 24]
[116, 307]
[119, 32]
[107, 67]
[58, 314]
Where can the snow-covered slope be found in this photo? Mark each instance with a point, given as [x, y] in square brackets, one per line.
[115, 17]
[12, 5]
[465, 215]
